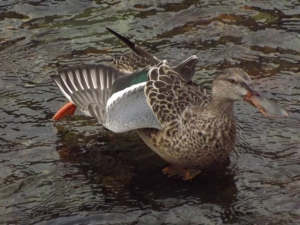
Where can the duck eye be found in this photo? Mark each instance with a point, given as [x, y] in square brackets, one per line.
[232, 81]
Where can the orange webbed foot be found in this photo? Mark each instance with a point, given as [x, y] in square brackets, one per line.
[178, 171]
[67, 109]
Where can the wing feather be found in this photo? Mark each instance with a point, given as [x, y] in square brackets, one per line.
[128, 110]
[109, 95]
[169, 95]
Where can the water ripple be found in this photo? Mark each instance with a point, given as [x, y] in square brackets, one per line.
[77, 172]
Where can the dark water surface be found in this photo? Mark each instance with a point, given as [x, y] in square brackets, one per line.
[77, 172]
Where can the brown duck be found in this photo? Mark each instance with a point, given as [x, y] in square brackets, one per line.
[179, 120]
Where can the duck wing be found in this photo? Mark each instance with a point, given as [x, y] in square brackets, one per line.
[141, 58]
[135, 48]
[115, 99]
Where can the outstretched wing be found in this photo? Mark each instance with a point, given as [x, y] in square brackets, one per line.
[142, 58]
[136, 49]
[87, 84]
[169, 95]
[115, 99]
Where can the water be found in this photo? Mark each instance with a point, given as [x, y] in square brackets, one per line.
[77, 172]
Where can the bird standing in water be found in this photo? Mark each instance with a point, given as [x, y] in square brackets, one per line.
[187, 126]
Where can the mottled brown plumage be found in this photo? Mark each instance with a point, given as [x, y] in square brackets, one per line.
[130, 62]
[196, 131]
[179, 120]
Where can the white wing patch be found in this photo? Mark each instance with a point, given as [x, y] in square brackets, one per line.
[128, 110]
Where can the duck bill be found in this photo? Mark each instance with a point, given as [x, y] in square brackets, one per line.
[266, 106]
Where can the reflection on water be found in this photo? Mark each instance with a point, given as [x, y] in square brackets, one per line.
[77, 172]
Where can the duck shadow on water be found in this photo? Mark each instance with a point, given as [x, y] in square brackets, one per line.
[122, 163]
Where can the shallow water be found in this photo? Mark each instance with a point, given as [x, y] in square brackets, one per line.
[77, 172]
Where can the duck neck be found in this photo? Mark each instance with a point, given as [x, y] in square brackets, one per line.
[221, 106]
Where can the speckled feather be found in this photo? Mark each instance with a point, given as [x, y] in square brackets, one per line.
[130, 62]
[191, 136]
[169, 95]
[141, 58]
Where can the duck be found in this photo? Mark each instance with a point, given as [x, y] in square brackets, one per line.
[191, 128]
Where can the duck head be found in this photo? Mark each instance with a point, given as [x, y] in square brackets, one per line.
[235, 84]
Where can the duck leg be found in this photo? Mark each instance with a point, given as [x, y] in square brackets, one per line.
[67, 109]
[179, 171]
